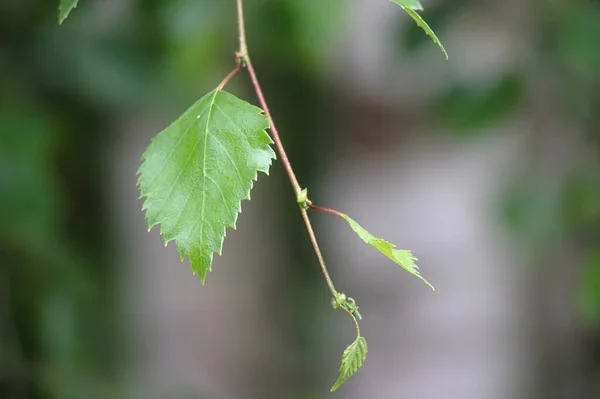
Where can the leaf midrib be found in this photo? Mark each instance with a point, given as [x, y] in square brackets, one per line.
[208, 117]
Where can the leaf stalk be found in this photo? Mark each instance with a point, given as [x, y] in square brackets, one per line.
[323, 209]
[231, 75]
[354, 320]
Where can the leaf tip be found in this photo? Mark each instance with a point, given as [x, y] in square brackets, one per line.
[65, 8]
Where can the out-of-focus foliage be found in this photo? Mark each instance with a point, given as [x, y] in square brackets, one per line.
[61, 87]
[569, 44]
[468, 109]
[588, 293]
[60, 90]
[545, 214]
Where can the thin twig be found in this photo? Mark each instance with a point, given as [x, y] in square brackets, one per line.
[243, 54]
[242, 29]
[278, 144]
[315, 244]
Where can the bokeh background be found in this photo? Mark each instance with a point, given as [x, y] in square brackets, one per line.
[486, 166]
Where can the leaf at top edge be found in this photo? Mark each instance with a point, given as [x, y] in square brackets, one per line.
[196, 172]
[64, 9]
[410, 7]
[402, 257]
[412, 4]
[352, 359]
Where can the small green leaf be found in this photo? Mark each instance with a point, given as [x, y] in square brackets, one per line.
[196, 172]
[410, 6]
[302, 197]
[352, 359]
[402, 257]
[64, 9]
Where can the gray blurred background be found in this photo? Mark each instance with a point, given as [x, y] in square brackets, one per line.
[486, 166]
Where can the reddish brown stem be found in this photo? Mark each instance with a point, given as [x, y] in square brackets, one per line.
[231, 75]
[278, 144]
[243, 56]
[323, 209]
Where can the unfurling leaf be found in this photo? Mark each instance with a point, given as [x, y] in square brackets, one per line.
[352, 359]
[197, 171]
[411, 7]
[65, 8]
[402, 257]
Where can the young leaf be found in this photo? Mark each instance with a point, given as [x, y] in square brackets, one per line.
[352, 359]
[65, 8]
[410, 6]
[402, 257]
[197, 171]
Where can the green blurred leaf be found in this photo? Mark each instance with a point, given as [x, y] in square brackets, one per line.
[352, 359]
[571, 43]
[531, 208]
[410, 6]
[581, 200]
[402, 257]
[29, 194]
[470, 108]
[588, 292]
[196, 172]
[64, 9]
[576, 40]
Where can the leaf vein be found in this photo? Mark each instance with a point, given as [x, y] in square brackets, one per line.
[176, 146]
[203, 207]
[218, 141]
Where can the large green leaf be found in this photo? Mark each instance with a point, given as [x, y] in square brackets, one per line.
[410, 6]
[402, 257]
[196, 172]
[352, 359]
[65, 8]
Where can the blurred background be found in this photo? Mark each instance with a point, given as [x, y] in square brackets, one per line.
[486, 166]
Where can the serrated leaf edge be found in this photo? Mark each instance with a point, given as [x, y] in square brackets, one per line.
[370, 239]
[417, 8]
[233, 226]
[64, 14]
[353, 358]
[423, 25]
